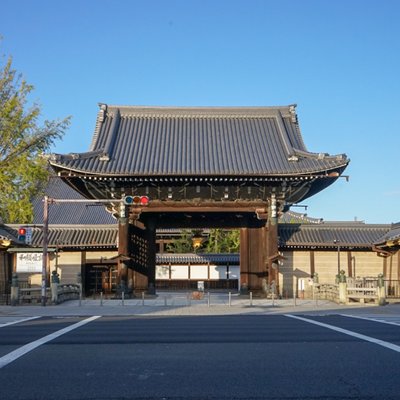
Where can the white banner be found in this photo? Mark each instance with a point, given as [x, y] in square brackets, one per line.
[29, 262]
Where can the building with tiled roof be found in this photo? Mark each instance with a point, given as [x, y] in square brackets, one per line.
[389, 243]
[308, 247]
[203, 167]
[134, 144]
[198, 167]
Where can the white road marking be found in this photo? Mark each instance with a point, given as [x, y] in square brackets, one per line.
[17, 321]
[379, 342]
[10, 357]
[383, 321]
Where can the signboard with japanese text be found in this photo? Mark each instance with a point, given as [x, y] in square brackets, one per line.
[29, 262]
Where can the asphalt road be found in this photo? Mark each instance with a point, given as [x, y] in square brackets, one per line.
[200, 357]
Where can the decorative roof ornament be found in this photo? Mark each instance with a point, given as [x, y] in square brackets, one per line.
[292, 110]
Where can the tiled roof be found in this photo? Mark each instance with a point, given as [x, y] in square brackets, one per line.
[8, 234]
[69, 213]
[198, 141]
[292, 217]
[356, 235]
[323, 236]
[392, 235]
[197, 258]
[76, 236]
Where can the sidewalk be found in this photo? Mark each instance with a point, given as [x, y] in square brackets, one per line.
[179, 304]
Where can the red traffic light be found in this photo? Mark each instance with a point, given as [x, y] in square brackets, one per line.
[144, 200]
[21, 231]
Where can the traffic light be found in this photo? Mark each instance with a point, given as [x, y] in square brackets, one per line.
[136, 200]
[22, 234]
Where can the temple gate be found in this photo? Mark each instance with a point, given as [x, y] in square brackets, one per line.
[198, 167]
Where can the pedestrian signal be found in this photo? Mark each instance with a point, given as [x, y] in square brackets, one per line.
[22, 235]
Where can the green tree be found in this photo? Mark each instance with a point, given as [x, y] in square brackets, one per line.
[182, 244]
[223, 241]
[23, 143]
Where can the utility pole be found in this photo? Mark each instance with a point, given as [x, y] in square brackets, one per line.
[45, 242]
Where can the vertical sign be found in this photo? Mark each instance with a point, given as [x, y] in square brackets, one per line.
[28, 236]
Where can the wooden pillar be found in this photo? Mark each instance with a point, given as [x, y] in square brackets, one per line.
[398, 265]
[151, 256]
[385, 274]
[244, 260]
[312, 263]
[252, 259]
[349, 264]
[123, 252]
[272, 251]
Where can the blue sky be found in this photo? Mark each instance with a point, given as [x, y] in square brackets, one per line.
[339, 61]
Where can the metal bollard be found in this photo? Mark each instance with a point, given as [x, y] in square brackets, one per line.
[208, 299]
[251, 299]
[101, 298]
[123, 298]
[142, 298]
[230, 299]
[273, 299]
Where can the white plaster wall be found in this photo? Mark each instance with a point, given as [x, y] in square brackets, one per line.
[179, 272]
[199, 272]
[217, 271]
[162, 272]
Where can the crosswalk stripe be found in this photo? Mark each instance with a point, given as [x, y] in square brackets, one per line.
[379, 342]
[10, 357]
[383, 321]
[17, 321]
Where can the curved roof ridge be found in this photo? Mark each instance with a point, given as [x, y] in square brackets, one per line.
[172, 107]
[319, 156]
[75, 156]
